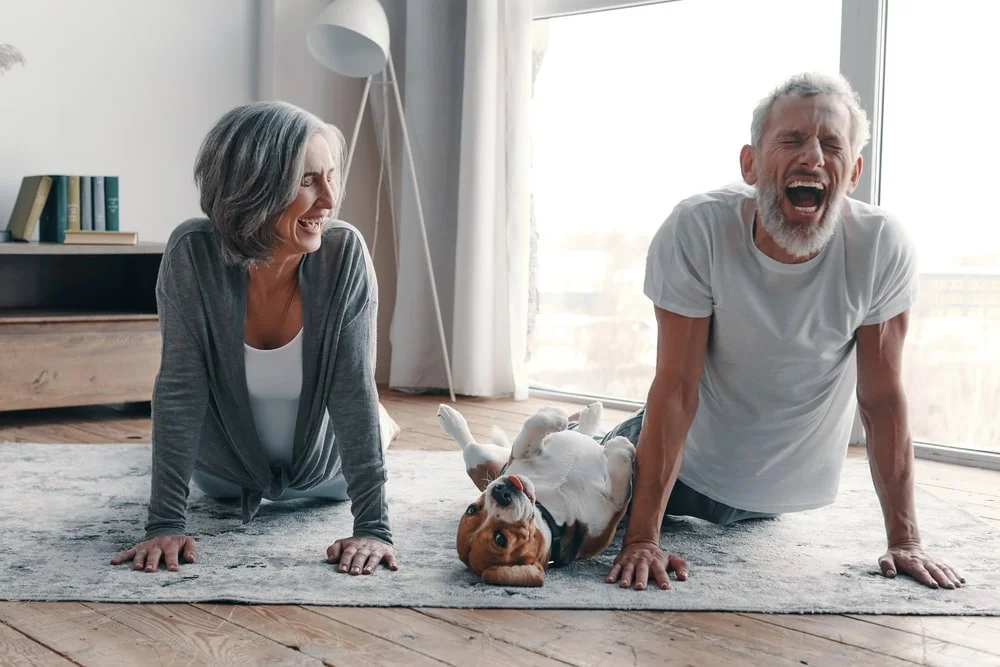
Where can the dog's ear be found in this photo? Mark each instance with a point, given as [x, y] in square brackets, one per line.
[498, 437]
[514, 575]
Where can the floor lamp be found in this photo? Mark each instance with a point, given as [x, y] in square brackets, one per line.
[351, 37]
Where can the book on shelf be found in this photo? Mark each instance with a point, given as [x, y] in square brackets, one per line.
[86, 205]
[100, 237]
[61, 203]
[73, 202]
[55, 215]
[97, 198]
[28, 206]
[111, 203]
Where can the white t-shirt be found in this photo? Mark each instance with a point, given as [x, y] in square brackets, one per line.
[777, 393]
[274, 382]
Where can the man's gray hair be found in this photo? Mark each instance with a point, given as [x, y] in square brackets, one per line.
[808, 84]
[249, 168]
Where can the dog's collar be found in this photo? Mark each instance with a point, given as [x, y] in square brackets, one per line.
[557, 535]
[562, 554]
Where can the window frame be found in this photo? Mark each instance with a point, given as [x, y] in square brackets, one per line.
[862, 62]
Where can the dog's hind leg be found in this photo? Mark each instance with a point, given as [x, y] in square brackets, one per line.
[483, 462]
[543, 423]
[590, 419]
[620, 453]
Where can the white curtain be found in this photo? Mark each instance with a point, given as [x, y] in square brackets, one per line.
[466, 94]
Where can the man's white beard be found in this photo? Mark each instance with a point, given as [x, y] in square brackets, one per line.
[798, 240]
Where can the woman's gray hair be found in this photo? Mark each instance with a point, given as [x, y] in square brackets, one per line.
[249, 168]
[806, 85]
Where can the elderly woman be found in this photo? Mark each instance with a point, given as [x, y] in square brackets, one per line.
[267, 310]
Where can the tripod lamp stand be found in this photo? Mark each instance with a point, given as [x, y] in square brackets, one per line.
[351, 37]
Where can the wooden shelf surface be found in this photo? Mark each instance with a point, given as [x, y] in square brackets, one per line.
[43, 316]
[37, 248]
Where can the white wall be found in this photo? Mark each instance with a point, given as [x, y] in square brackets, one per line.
[122, 87]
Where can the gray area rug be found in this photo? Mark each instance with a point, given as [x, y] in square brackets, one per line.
[66, 509]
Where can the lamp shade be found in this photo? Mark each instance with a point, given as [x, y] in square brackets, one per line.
[351, 37]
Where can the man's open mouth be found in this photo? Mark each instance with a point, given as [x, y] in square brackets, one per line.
[805, 196]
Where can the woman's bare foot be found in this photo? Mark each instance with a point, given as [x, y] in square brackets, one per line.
[390, 429]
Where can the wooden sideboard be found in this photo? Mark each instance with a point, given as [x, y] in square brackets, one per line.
[78, 324]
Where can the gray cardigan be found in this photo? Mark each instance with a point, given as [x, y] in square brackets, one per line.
[201, 406]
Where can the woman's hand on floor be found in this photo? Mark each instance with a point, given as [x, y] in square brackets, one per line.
[360, 555]
[146, 555]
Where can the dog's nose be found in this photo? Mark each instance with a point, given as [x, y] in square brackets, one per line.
[501, 494]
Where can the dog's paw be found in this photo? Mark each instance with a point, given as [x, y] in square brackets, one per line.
[549, 420]
[620, 446]
[453, 423]
[590, 418]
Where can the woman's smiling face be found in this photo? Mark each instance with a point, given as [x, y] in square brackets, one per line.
[300, 226]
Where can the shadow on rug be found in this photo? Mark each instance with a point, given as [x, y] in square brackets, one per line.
[67, 509]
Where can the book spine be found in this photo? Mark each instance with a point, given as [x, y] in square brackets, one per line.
[73, 203]
[52, 227]
[102, 238]
[99, 203]
[43, 219]
[86, 203]
[111, 203]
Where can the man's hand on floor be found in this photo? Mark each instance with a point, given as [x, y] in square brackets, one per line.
[638, 560]
[925, 568]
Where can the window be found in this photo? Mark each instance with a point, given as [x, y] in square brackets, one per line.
[936, 179]
[634, 109]
[642, 104]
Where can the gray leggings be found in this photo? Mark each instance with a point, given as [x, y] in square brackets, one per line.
[683, 501]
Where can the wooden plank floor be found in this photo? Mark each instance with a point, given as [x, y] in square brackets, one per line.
[154, 634]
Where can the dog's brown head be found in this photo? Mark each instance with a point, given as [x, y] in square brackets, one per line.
[498, 538]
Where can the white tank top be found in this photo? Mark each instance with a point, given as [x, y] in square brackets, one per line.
[274, 380]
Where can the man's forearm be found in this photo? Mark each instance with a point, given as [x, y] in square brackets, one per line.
[890, 456]
[657, 462]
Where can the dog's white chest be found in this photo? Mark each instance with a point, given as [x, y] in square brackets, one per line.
[562, 458]
[570, 474]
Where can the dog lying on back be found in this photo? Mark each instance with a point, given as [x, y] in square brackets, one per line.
[551, 498]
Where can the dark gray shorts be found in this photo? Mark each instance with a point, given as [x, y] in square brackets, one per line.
[683, 501]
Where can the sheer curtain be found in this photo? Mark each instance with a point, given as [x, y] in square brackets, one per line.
[466, 80]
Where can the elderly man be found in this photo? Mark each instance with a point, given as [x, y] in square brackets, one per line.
[776, 299]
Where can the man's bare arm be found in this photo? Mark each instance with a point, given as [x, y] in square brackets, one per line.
[670, 408]
[882, 403]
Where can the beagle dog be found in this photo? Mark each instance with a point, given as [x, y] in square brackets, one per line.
[554, 496]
